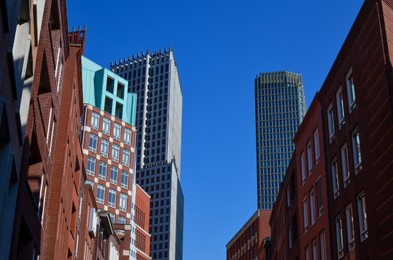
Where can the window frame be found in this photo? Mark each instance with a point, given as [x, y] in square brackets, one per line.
[113, 175]
[95, 120]
[351, 93]
[93, 142]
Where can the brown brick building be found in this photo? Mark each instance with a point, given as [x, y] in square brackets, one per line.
[142, 219]
[311, 186]
[284, 218]
[357, 109]
[353, 113]
[249, 242]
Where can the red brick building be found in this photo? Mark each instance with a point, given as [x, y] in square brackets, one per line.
[353, 114]
[284, 218]
[311, 186]
[142, 217]
[249, 242]
[357, 109]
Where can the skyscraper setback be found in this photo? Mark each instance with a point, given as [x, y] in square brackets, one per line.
[154, 77]
[279, 109]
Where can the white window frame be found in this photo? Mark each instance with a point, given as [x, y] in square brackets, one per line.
[331, 129]
[95, 120]
[102, 165]
[340, 107]
[126, 157]
[317, 152]
[350, 227]
[93, 140]
[123, 201]
[312, 207]
[124, 185]
[100, 190]
[90, 161]
[106, 126]
[303, 167]
[115, 152]
[350, 90]
[362, 214]
[127, 135]
[116, 131]
[356, 148]
[309, 157]
[335, 178]
[305, 214]
[345, 165]
[314, 250]
[114, 171]
[104, 147]
[112, 196]
[339, 237]
[322, 245]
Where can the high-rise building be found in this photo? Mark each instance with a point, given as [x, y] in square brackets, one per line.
[154, 77]
[109, 136]
[279, 109]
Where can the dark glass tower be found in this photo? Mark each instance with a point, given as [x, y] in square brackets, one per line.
[279, 109]
[154, 77]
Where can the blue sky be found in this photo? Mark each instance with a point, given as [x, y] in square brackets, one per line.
[220, 47]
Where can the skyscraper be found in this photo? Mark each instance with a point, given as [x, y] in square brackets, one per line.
[279, 109]
[154, 77]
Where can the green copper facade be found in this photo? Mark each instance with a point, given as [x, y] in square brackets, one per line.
[107, 91]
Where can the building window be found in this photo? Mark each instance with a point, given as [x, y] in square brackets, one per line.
[108, 105]
[95, 120]
[123, 202]
[116, 131]
[319, 198]
[100, 193]
[322, 243]
[305, 214]
[121, 220]
[307, 252]
[102, 171]
[340, 107]
[335, 179]
[126, 157]
[331, 122]
[93, 143]
[113, 175]
[120, 90]
[119, 110]
[339, 237]
[316, 145]
[110, 83]
[290, 237]
[345, 165]
[357, 157]
[106, 126]
[112, 198]
[314, 250]
[303, 167]
[312, 206]
[127, 136]
[351, 91]
[309, 156]
[112, 216]
[104, 147]
[362, 216]
[124, 179]
[115, 152]
[350, 227]
[91, 165]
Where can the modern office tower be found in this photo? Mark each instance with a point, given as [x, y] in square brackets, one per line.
[154, 77]
[279, 109]
[109, 136]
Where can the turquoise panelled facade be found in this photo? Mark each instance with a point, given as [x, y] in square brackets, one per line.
[108, 91]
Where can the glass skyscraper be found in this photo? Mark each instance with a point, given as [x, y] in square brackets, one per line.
[154, 78]
[279, 110]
